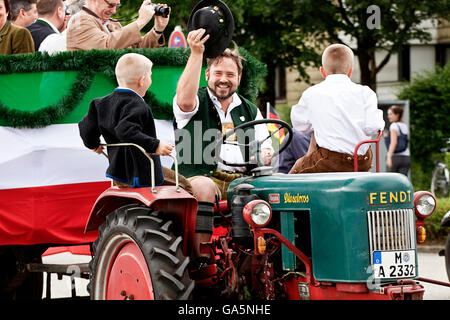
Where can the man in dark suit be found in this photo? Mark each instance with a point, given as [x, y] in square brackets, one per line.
[51, 20]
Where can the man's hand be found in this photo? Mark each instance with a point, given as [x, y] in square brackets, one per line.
[98, 150]
[146, 12]
[196, 42]
[389, 161]
[164, 148]
[266, 156]
[161, 22]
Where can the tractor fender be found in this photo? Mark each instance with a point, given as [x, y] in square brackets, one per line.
[445, 222]
[180, 205]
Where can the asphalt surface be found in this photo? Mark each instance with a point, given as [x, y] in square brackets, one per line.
[432, 266]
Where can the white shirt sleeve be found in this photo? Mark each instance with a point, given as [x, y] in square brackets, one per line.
[182, 118]
[300, 116]
[54, 43]
[374, 117]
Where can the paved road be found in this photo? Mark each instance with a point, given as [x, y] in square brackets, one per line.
[431, 266]
[63, 288]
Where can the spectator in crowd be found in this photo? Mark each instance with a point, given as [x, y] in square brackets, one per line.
[13, 39]
[74, 6]
[398, 155]
[23, 12]
[93, 28]
[51, 20]
[57, 42]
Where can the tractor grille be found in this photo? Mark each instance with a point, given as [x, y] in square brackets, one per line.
[391, 230]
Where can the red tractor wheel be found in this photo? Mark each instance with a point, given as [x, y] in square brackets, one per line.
[137, 257]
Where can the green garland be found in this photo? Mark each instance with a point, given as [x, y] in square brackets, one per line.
[88, 63]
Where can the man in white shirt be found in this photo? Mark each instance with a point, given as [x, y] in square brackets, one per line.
[340, 113]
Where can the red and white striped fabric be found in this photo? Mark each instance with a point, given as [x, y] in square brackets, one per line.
[49, 181]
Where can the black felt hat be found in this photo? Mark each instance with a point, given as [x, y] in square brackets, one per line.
[216, 18]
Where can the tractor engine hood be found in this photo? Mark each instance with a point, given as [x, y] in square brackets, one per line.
[338, 206]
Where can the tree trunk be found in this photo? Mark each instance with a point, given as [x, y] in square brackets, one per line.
[368, 76]
[269, 94]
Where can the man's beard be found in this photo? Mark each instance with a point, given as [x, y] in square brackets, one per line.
[221, 97]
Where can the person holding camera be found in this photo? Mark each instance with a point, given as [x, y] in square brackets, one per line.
[93, 28]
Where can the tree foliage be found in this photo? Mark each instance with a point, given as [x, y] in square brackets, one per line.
[287, 33]
[429, 98]
[380, 25]
[265, 28]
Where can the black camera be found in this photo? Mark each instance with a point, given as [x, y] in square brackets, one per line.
[161, 10]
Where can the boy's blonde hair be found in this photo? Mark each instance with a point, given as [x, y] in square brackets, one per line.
[337, 58]
[132, 66]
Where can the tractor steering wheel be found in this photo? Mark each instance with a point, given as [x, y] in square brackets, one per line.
[256, 142]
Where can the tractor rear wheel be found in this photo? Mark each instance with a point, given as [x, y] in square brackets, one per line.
[137, 256]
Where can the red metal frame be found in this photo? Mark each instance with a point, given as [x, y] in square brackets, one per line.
[337, 291]
[306, 261]
[178, 203]
[354, 291]
[377, 144]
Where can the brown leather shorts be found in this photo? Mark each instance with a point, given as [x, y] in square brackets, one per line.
[324, 160]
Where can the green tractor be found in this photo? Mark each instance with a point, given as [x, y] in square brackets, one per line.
[313, 236]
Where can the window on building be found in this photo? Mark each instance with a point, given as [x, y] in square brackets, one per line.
[280, 84]
[404, 64]
[442, 54]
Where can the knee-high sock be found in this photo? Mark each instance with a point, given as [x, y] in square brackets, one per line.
[205, 217]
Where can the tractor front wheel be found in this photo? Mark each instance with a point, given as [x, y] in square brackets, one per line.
[138, 257]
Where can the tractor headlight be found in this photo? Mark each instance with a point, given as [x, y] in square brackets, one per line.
[424, 204]
[261, 214]
[257, 213]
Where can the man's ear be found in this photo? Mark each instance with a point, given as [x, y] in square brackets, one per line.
[21, 12]
[207, 74]
[322, 71]
[61, 12]
[141, 81]
[349, 73]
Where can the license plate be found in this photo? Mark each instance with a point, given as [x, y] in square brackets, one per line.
[394, 264]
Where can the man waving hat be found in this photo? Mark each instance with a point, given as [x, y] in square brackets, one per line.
[217, 107]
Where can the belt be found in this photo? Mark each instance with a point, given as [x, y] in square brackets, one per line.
[344, 156]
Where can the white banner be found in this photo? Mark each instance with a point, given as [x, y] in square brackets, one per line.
[55, 155]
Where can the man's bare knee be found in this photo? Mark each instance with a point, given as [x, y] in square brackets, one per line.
[204, 189]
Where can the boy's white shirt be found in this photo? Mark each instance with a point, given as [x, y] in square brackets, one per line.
[340, 112]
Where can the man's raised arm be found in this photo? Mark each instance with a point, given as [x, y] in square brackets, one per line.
[190, 78]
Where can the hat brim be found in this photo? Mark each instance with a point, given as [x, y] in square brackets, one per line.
[216, 44]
